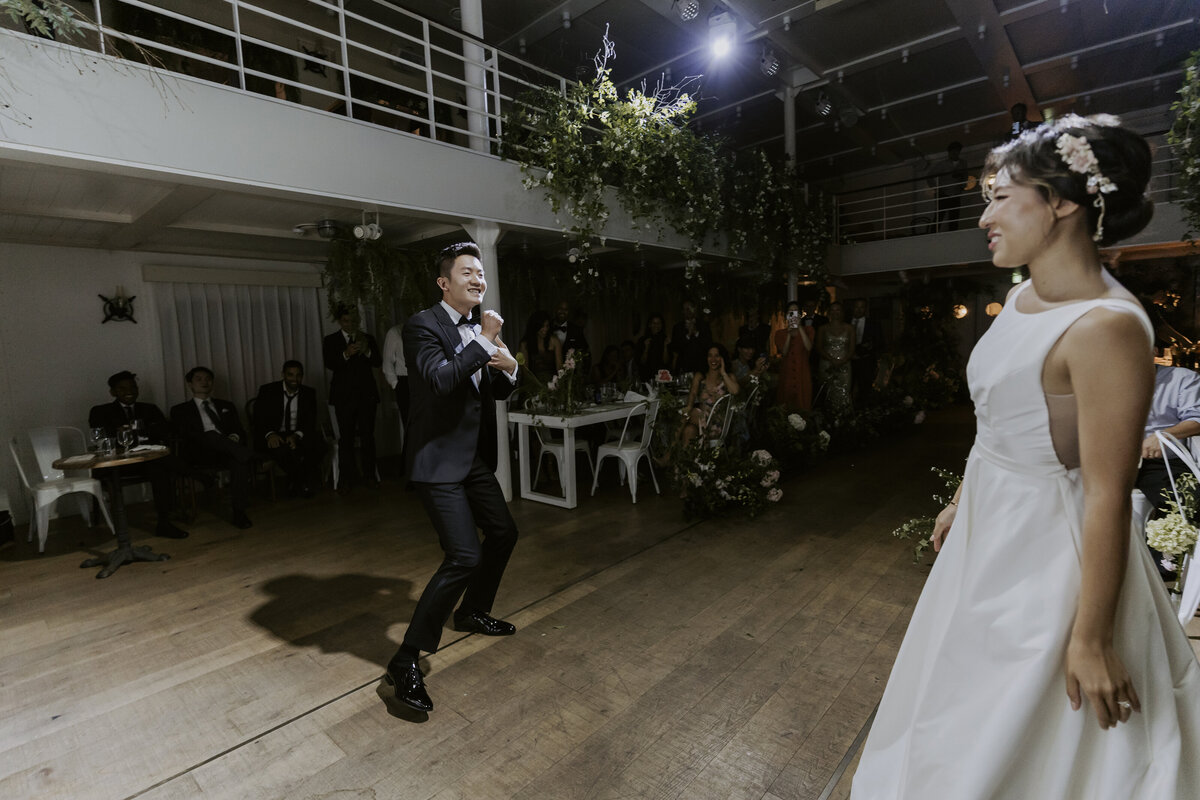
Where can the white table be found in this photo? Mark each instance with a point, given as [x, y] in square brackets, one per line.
[590, 415]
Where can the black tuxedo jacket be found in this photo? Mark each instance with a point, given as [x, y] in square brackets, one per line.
[872, 338]
[353, 378]
[111, 416]
[186, 419]
[268, 412]
[450, 420]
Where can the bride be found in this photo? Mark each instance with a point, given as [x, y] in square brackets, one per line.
[1043, 660]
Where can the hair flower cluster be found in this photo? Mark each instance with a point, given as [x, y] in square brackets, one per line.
[1079, 157]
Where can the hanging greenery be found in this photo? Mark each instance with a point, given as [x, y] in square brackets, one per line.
[587, 142]
[1184, 136]
[369, 273]
[52, 19]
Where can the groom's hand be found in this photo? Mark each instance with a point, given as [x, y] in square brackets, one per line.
[489, 325]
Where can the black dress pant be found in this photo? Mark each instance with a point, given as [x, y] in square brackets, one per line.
[300, 465]
[403, 403]
[356, 418]
[471, 569]
[216, 449]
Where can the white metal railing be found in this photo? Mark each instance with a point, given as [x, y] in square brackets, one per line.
[914, 208]
[379, 64]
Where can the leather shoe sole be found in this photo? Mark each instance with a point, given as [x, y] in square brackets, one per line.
[479, 622]
[409, 687]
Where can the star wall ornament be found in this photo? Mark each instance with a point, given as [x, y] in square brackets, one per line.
[118, 308]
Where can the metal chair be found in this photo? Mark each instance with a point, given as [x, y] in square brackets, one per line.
[630, 450]
[557, 448]
[264, 464]
[45, 484]
[331, 441]
[722, 410]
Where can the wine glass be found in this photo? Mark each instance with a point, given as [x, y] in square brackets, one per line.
[139, 431]
[126, 437]
[97, 436]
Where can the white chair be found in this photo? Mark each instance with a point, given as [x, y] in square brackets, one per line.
[1189, 601]
[45, 484]
[630, 450]
[557, 448]
[722, 410]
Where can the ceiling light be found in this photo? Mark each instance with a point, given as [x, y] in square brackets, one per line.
[573, 254]
[960, 311]
[687, 10]
[768, 63]
[722, 30]
[993, 308]
[327, 228]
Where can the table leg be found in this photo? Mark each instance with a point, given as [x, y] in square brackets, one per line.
[568, 468]
[126, 552]
[523, 457]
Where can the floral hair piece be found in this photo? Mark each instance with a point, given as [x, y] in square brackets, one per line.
[1077, 154]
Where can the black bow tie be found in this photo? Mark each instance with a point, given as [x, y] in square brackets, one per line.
[562, 327]
[464, 321]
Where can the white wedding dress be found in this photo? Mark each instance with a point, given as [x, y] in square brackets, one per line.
[976, 707]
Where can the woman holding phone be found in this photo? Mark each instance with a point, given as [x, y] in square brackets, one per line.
[794, 343]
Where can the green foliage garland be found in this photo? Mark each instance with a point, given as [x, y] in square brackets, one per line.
[369, 273]
[582, 144]
[52, 19]
[1184, 136]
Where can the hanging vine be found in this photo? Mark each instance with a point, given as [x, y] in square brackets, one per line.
[1184, 136]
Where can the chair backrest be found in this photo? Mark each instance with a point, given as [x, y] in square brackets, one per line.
[641, 408]
[648, 423]
[26, 468]
[53, 443]
[722, 410]
[333, 426]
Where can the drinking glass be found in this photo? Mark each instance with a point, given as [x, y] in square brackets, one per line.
[126, 437]
[97, 436]
[139, 431]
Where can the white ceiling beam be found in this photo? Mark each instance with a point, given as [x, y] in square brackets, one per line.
[547, 23]
[160, 215]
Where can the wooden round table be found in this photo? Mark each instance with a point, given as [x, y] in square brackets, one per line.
[126, 552]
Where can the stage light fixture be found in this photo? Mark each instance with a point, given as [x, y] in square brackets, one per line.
[768, 63]
[687, 10]
[722, 31]
[823, 107]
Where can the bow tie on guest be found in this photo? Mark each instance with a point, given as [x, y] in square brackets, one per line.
[464, 321]
[562, 327]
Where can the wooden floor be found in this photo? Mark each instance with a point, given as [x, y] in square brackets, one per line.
[655, 658]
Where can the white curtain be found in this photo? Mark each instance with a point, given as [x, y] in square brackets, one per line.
[243, 333]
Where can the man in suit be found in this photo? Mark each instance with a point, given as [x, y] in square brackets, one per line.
[395, 371]
[285, 427]
[154, 429]
[352, 356]
[457, 370]
[211, 435]
[868, 343]
[690, 339]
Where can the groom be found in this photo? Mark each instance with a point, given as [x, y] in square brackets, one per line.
[457, 369]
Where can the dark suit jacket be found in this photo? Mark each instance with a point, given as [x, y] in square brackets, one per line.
[353, 378]
[111, 416]
[450, 420]
[268, 413]
[872, 338]
[186, 419]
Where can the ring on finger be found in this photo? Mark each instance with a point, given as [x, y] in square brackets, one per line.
[1125, 704]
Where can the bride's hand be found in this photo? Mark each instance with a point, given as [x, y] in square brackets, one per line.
[941, 526]
[1096, 671]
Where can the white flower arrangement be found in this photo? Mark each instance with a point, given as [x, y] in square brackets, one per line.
[797, 422]
[1171, 535]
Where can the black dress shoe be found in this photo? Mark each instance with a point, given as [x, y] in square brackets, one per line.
[168, 531]
[409, 686]
[479, 622]
[240, 520]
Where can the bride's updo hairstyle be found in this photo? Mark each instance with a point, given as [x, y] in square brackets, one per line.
[1091, 161]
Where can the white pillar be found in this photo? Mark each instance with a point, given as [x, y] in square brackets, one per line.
[487, 235]
[789, 147]
[475, 76]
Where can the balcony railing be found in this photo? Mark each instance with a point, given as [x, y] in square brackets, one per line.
[915, 208]
[366, 59]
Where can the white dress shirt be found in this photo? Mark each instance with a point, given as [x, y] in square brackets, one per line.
[1176, 398]
[471, 332]
[394, 366]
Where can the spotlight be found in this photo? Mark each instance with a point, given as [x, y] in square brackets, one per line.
[573, 255]
[823, 107]
[722, 30]
[960, 311]
[993, 308]
[768, 63]
[687, 10]
[327, 228]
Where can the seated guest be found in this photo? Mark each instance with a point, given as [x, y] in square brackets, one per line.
[652, 347]
[212, 436]
[285, 427]
[126, 410]
[749, 361]
[630, 369]
[608, 368]
[541, 348]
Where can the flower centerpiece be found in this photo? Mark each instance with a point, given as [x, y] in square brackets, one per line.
[1175, 533]
[799, 436]
[715, 481]
[565, 392]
